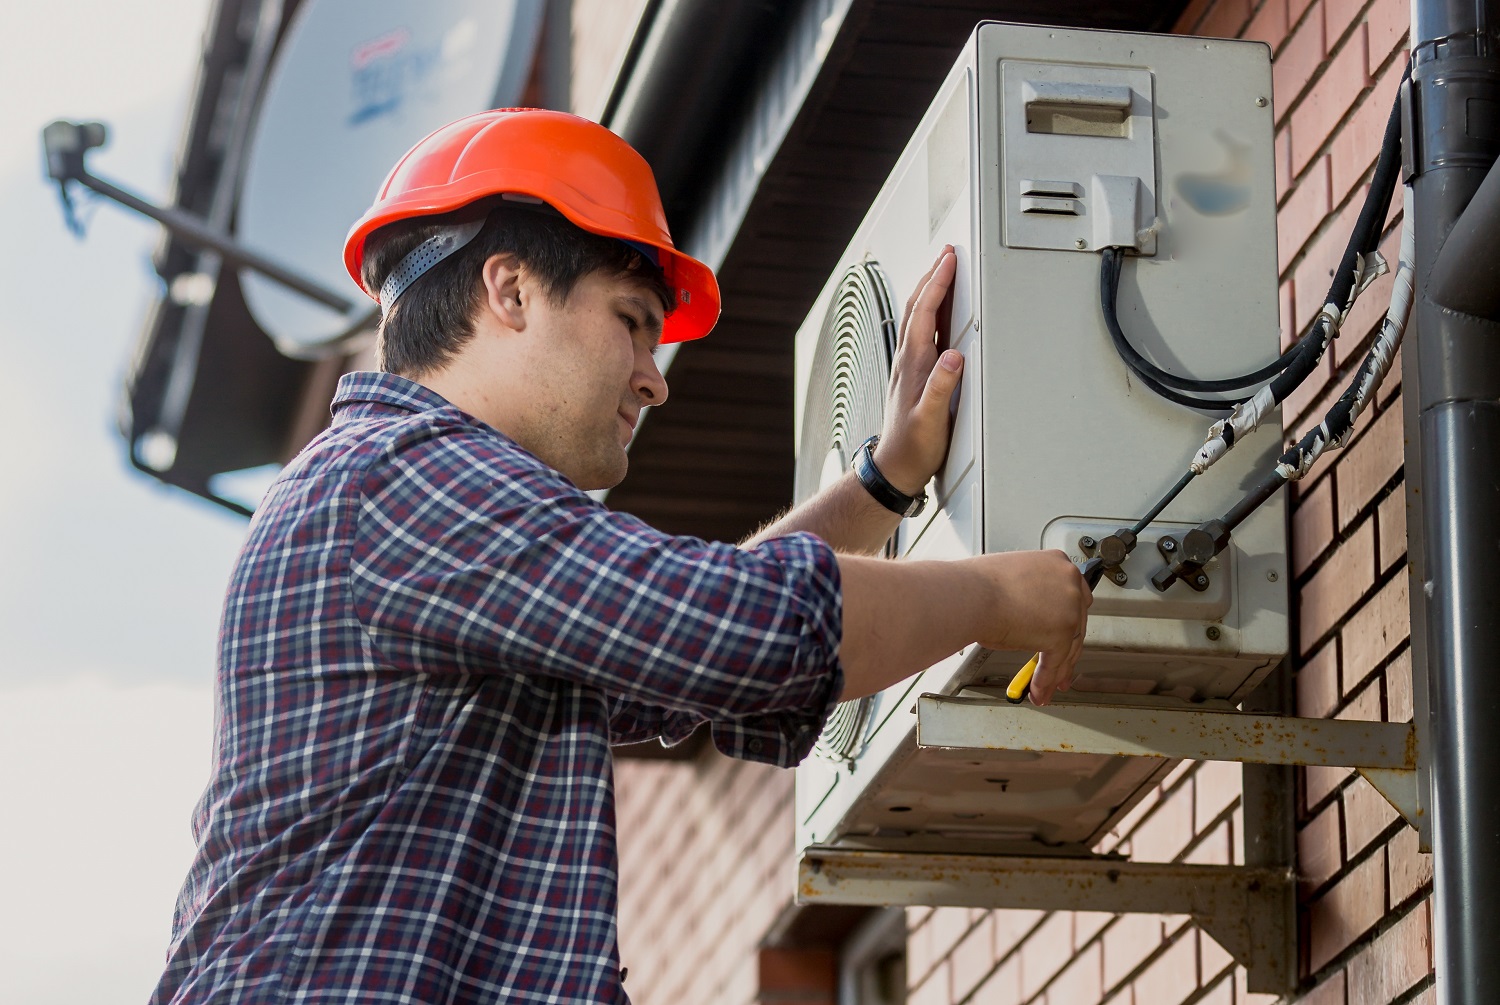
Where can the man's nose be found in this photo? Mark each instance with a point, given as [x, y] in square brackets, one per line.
[650, 385]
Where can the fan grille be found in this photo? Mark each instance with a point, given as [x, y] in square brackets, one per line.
[845, 406]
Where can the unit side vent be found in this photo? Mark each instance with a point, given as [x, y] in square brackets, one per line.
[845, 405]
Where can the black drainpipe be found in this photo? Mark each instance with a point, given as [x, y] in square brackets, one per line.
[1453, 134]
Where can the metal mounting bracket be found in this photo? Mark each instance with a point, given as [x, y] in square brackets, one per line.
[1249, 911]
[1384, 752]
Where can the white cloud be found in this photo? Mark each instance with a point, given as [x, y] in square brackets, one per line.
[98, 782]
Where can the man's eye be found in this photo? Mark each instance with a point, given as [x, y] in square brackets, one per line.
[630, 322]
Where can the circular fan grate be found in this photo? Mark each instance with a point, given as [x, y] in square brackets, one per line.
[845, 406]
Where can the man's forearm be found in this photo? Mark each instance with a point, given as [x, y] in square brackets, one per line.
[844, 514]
[902, 617]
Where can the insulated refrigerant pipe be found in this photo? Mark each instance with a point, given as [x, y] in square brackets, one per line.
[1452, 136]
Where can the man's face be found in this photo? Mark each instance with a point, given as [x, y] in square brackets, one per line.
[592, 367]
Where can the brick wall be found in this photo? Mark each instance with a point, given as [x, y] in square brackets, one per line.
[707, 847]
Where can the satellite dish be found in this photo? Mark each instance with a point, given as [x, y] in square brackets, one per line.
[354, 86]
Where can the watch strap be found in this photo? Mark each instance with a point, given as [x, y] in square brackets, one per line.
[883, 491]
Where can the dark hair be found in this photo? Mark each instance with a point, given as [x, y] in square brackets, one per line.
[435, 316]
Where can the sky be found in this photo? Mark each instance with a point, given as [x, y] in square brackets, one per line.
[110, 584]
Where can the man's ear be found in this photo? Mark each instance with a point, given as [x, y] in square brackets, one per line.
[501, 276]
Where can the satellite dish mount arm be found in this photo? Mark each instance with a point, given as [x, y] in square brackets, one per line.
[66, 143]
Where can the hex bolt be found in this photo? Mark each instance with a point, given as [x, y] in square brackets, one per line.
[1167, 544]
[1213, 633]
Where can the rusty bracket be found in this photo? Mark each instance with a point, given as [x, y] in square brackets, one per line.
[1384, 752]
[1249, 911]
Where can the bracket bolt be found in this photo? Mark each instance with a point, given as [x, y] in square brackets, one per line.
[1087, 543]
[1213, 633]
[1080, 244]
[1167, 544]
[1119, 577]
[1201, 579]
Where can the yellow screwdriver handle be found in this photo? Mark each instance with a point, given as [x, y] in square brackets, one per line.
[1015, 692]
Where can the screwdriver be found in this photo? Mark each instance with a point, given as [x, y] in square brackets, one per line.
[1015, 692]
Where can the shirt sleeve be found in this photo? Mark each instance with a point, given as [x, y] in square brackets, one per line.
[781, 739]
[472, 556]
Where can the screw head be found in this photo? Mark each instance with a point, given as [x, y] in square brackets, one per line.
[1080, 244]
[1261, 102]
[1087, 542]
[1271, 576]
[1201, 580]
[1167, 544]
[1213, 633]
[1119, 576]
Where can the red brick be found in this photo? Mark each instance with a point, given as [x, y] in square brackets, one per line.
[1082, 981]
[1410, 869]
[1329, 101]
[1287, 319]
[933, 990]
[1383, 623]
[1164, 834]
[1283, 156]
[1312, 526]
[1225, 19]
[972, 959]
[1221, 994]
[1301, 406]
[946, 927]
[1318, 683]
[1214, 848]
[1302, 213]
[1295, 64]
[1087, 924]
[1330, 992]
[1390, 522]
[1389, 23]
[1046, 953]
[1320, 783]
[1173, 976]
[1338, 15]
[1319, 849]
[1011, 926]
[1364, 706]
[1398, 698]
[1337, 586]
[1349, 909]
[1216, 789]
[1003, 986]
[1366, 815]
[1295, 8]
[1213, 962]
[1358, 142]
[1395, 961]
[1269, 24]
[1314, 274]
[1374, 459]
[1127, 944]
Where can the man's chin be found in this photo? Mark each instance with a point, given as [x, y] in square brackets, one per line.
[605, 478]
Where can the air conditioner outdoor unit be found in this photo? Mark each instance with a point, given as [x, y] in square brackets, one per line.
[1042, 146]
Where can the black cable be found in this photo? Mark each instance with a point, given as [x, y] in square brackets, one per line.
[1163, 502]
[1109, 290]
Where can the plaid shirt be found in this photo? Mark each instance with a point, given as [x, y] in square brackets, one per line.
[429, 642]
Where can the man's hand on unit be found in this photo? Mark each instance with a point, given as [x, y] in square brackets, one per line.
[917, 425]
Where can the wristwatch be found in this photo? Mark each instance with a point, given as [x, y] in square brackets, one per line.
[885, 493]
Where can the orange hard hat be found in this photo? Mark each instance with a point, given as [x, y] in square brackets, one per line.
[578, 167]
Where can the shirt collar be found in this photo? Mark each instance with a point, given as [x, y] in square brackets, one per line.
[385, 389]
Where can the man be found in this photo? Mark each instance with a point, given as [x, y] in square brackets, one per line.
[434, 634]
